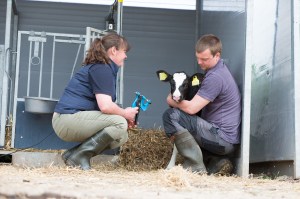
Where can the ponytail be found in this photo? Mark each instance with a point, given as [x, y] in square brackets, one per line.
[97, 53]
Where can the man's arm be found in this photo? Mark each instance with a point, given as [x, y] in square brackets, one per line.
[191, 107]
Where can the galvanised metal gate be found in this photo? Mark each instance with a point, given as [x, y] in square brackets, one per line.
[45, 63]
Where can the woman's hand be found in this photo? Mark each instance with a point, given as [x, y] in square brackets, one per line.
[131, 124]
[130, 112]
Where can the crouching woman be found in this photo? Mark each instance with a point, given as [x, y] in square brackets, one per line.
[87, 112]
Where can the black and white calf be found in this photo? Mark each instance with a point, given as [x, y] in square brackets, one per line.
[183, 87]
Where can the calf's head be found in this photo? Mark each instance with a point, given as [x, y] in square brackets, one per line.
[182, 85]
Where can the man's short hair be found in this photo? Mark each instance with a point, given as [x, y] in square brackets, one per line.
[211, 42]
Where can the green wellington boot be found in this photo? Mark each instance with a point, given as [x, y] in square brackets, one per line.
[190, 150]
[220, 166]
[68, 153]
[80, 157]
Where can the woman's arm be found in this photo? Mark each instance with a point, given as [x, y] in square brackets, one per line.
[107, 106]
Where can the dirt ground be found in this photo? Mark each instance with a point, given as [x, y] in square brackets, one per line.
[110, 183]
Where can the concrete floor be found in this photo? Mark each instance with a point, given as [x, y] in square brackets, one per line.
[46, 159]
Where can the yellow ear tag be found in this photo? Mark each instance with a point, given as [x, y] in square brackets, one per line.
[195, 81]
[162, 76]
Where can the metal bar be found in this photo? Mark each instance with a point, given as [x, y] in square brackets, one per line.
[16, 89]
[52, 67]
[98, 31]
[6, 66]
[70, 41]
[120, 88]
[14, 6]
[15, 37]
[41, 69]
[93, 36]
[54, 34]
[2, 54]
[87, 40]
[243, 167]
[120, 17]
[29, 68]
[75, 61]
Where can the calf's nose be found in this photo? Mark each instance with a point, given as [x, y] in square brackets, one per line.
[176, 98]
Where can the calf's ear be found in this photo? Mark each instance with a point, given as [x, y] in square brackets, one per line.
[163, 76]
[196, 79]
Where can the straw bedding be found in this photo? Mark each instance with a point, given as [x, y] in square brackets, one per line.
[146, 149]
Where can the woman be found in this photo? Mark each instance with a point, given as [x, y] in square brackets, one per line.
[87, 111]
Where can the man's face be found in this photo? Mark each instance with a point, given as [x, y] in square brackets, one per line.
[206, 60]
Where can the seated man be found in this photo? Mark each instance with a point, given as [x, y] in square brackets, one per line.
[217, 131]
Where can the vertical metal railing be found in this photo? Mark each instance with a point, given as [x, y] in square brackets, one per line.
[120, 86]
[52, 67]
[2, 54]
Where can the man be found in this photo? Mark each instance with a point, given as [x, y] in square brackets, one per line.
[217, 131]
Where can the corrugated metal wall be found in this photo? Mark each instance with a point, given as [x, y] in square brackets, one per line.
[230, 27]
[2, 20]
[160, 39]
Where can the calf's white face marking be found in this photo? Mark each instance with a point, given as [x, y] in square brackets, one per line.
[178, 80]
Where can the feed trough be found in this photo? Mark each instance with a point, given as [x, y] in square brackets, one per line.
[40, 105]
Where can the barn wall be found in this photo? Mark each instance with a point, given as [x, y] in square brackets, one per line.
[230, 27]
[2, 20]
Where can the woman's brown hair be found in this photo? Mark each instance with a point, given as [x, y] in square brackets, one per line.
[97, 53]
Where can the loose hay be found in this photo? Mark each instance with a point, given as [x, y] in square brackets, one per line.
[177, 177]
[145, 150]
[8, 133]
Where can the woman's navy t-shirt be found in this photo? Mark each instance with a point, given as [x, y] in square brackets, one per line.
[91, 79]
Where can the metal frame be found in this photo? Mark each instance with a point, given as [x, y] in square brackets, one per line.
[2, 53]
[91, 34]
[11, 10]
[78, 39]
[243, 168]
[295, 17]
[120, 85]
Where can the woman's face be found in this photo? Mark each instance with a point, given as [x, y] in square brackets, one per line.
[117, 56]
